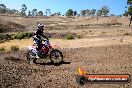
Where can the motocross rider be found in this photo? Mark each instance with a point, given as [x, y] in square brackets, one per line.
[37, 37]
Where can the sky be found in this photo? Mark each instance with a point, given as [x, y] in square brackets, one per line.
[116, 6]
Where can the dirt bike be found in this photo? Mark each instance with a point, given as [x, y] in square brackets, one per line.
[46, 50]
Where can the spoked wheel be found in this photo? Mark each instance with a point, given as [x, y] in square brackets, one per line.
[29, 57]
[56, 56]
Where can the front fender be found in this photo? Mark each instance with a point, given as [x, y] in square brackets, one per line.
[55, 46]
[30, 47]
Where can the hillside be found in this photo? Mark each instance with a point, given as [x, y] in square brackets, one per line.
[9, 26]
[63, 23]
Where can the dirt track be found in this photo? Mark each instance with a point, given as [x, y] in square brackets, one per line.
[105, 51]
[114, 59]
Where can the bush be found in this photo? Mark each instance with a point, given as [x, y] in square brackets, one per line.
[2, 41]
[69, 36]
[23, 35]
[130, 34]
[19, 36]
[2, 49]
[5, 37]
[126, 33]
[30, 34]
[14, 48]
[79, 36]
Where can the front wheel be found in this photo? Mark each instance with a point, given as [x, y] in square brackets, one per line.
[56, 56]
[29, 53]
[30, 56]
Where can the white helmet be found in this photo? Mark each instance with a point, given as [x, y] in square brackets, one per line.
[41, 26]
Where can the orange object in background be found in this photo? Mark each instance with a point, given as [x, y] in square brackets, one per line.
[101, 78]
[81, 71]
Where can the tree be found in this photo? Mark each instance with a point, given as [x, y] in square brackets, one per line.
[7, 10]
[75, 13]
[15, 11]
[88, 12]
[24, 8]
[129, 3]
[12, 11]
[126, 13]
[93, 11]
[105, 10]
[119, 15]
[2, 9]
[59, 14]
[29, 13]
[99, 13]
[78, 15]
[56, 14]
[40, 13]
[83, 12]
[112, 15]
[47, 12]
[34, 12]
[69, 13]
[130, 10]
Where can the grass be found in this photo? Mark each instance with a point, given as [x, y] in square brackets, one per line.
[113, 22]
[79, 36]
[25, 35]
[2, 49]
[21, 43]
[69, 36]
[14, 48]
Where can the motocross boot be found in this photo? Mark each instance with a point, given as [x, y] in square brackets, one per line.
[37, 54]
[37, 57]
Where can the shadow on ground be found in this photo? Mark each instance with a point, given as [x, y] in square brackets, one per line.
[55, 64]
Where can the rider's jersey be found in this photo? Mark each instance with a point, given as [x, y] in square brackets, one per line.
[38, 34]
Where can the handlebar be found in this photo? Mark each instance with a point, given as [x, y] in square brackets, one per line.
[45, 40]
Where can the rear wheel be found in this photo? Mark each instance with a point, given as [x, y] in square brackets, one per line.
[56, 56]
